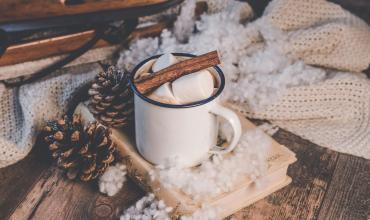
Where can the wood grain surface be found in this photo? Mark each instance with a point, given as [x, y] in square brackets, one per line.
[349, 194]
[326, 185]
[311, 177]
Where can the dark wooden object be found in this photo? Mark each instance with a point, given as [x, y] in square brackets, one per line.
[12, 10]
[326, 185]
[39, 49]
[68, 43]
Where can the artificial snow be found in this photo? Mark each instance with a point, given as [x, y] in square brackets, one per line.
[222, 172]
[112, 180]
[184, 24]
[147, 208]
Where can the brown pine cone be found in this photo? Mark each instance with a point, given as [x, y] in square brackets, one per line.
[84, 153]
[111, 98]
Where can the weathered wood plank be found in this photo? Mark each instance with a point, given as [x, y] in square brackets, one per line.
[31, 67]
[125, 198]
[48, 47]
[16, 180]
[348, 196]
[65, 44]
[12, 10]
[303, 197]
[39, 49]
[55, 196]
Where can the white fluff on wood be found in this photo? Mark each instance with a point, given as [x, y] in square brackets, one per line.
[113, 179]
[147, 208]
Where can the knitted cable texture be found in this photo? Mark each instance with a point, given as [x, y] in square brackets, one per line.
[322, 33]
[336, 112]
[23, 110]
[333, 114]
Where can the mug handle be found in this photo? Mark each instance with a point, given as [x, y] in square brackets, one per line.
[232, 118]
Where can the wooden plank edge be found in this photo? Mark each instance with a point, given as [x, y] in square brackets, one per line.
[35, 50]
[30, 67]
[43, 9]
[40, 49]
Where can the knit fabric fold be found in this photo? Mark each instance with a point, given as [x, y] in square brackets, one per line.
[321, 33]
[333, 114]
[25, 109]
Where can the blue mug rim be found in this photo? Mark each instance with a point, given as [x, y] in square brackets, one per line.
[193, 104]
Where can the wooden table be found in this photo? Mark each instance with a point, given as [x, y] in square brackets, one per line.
[326, 185]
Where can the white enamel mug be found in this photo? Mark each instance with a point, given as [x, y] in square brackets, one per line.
[182, 135]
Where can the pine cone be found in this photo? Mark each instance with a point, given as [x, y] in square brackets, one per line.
[111, 98]
[84, 153]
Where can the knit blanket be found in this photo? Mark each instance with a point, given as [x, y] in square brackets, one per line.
[25, 109]
[298, 66]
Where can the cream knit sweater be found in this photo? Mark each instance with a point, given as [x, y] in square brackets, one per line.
[336, 112]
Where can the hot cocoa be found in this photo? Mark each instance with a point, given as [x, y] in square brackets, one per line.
[184, 90]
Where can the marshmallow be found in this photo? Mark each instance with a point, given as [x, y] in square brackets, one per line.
[187, 89]
[193, 87]
[145, 69]
[163, 94]
[164, 61]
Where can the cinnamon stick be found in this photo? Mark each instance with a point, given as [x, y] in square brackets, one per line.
[149, 83]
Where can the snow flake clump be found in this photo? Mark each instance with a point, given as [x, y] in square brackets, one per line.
[147, 208]
[112, 180]
[184, 24]
[221, 173]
